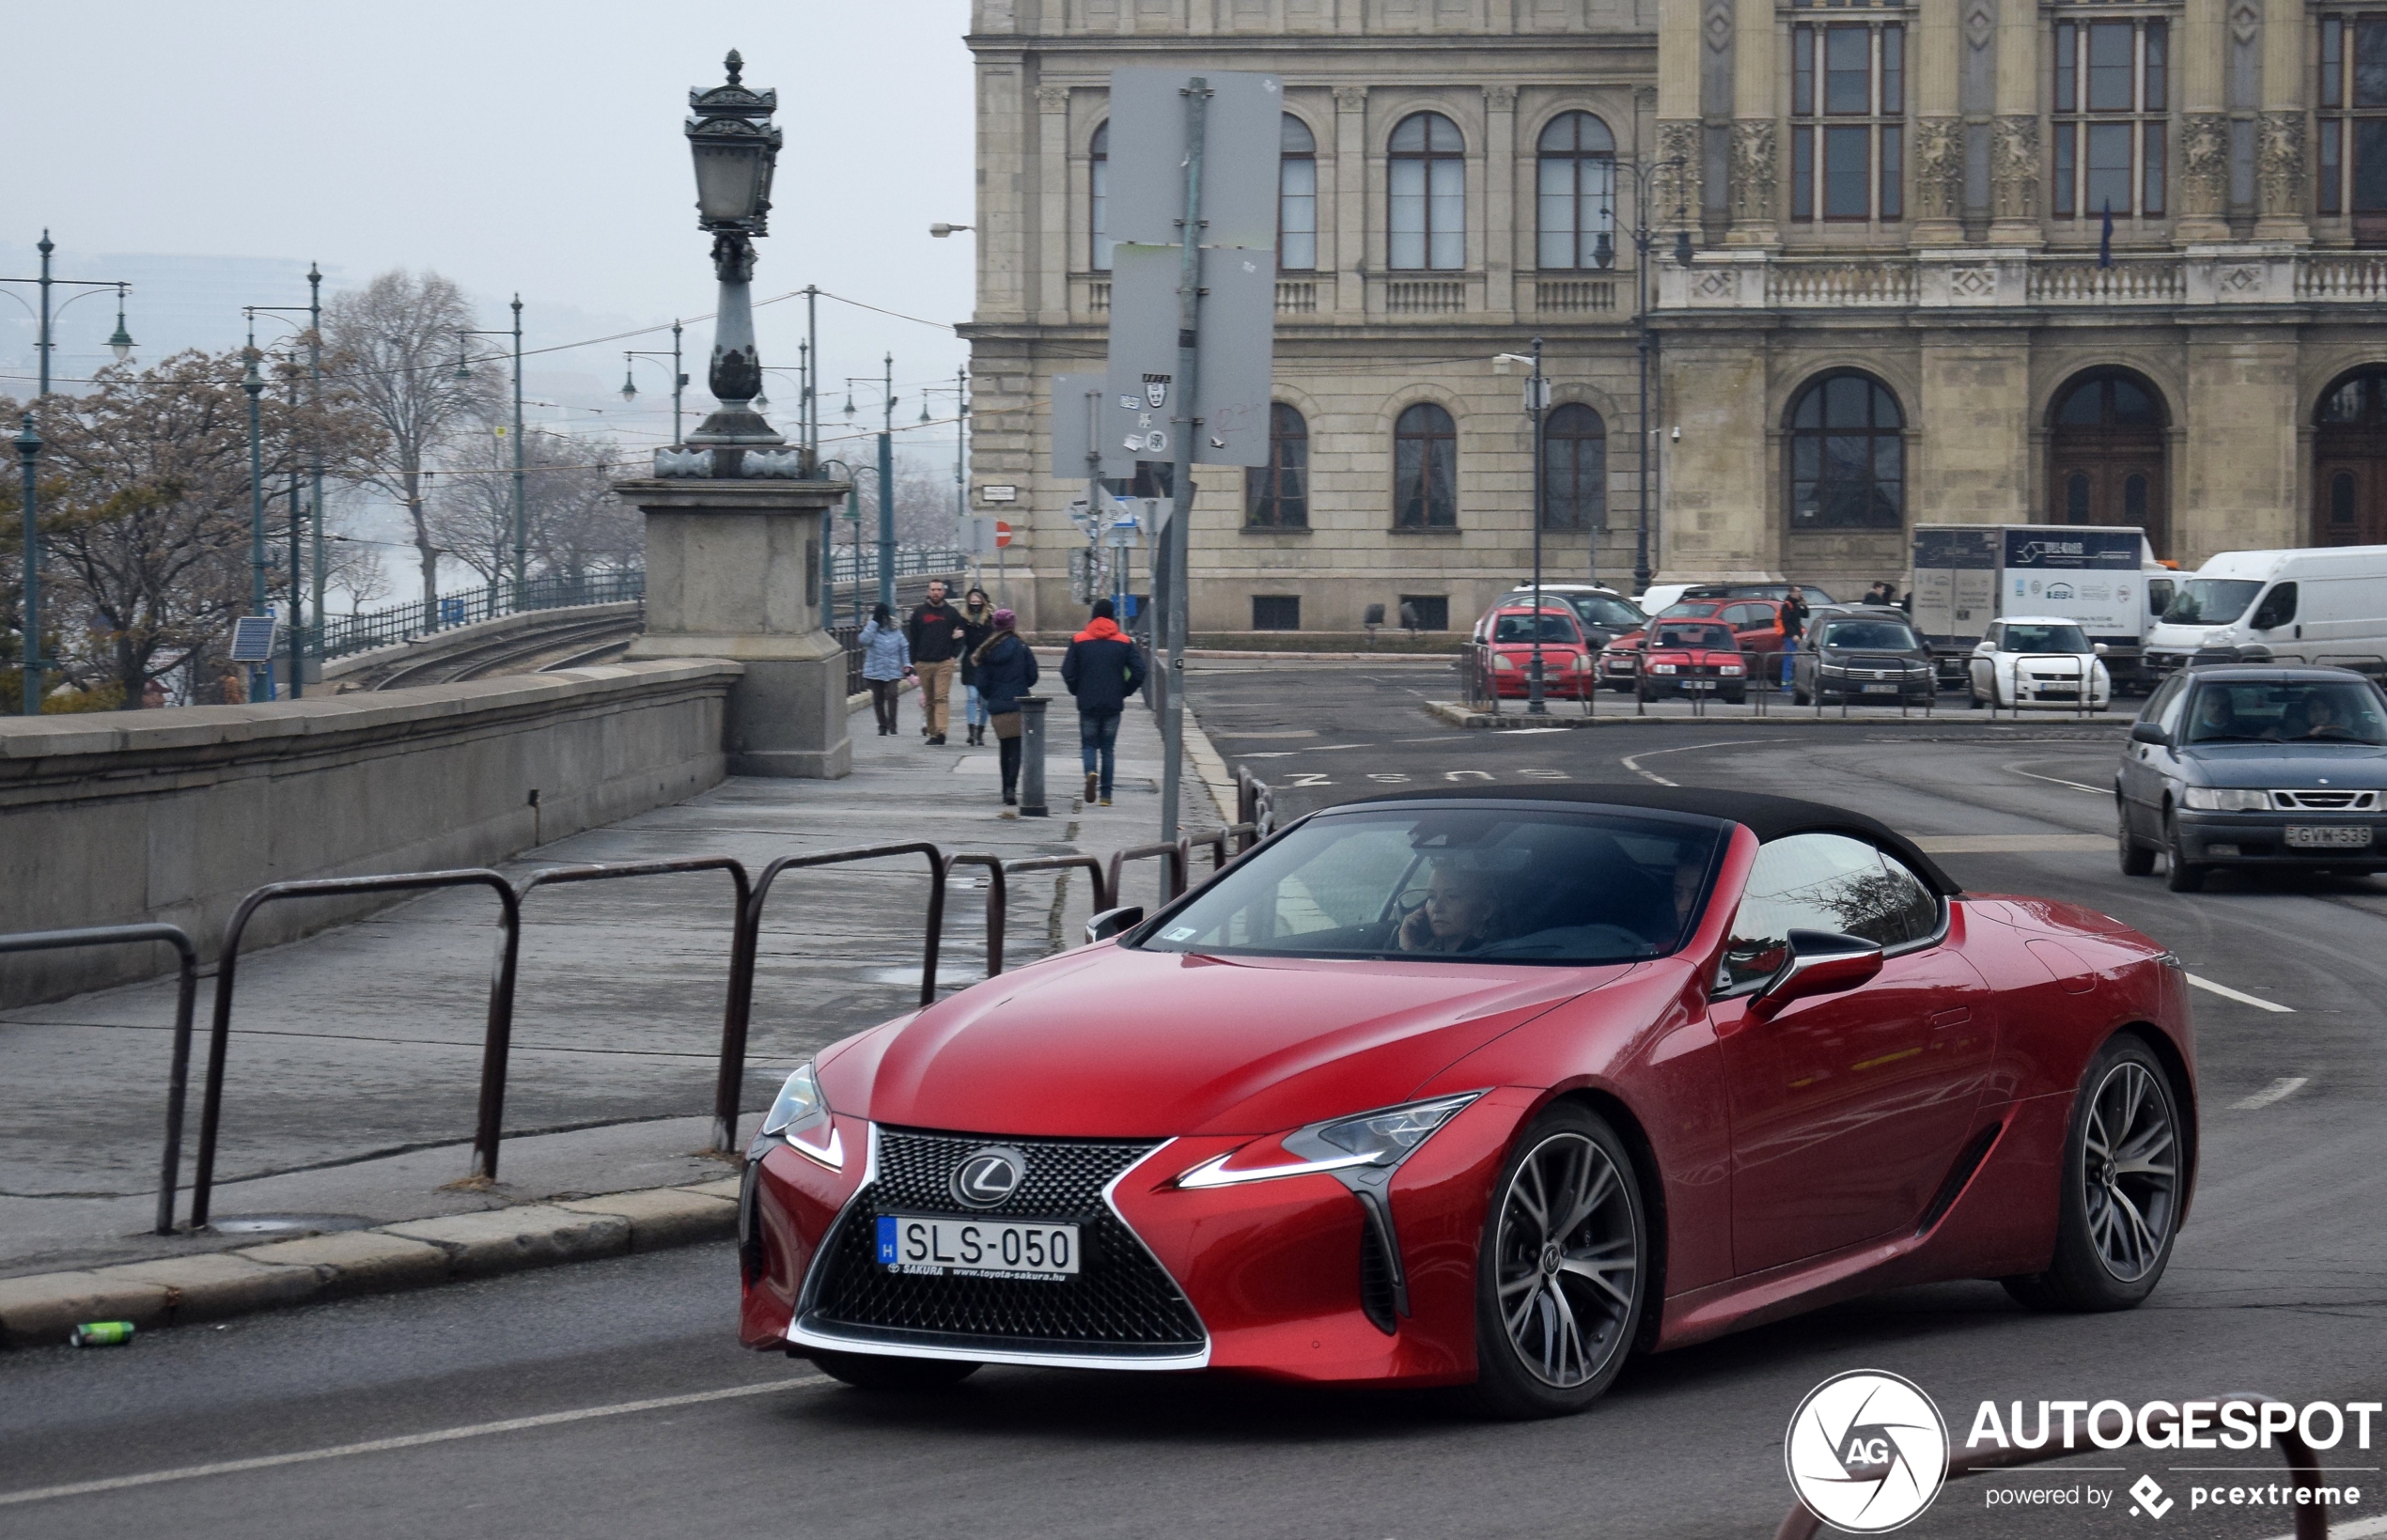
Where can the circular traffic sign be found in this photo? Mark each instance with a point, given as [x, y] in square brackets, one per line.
[1002, 534]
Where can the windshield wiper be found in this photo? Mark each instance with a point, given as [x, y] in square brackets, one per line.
[2229, 737]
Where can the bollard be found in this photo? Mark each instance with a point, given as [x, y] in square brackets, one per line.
[1032, 757]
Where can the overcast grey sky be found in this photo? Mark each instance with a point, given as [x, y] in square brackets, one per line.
[530, 145]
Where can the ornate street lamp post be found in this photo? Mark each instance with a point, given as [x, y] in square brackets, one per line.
[679, 376]
[29, 454]
[736, 148]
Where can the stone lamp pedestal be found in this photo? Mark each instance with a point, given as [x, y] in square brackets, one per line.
[733, 571]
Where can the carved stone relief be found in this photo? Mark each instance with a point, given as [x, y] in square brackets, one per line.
[1677, 185]
[2279, 163]
[1500, 99]
[1718, 24]
[1053, 98]
[1351, 99]
[2203, 174]
[1753, 171]
[1939, 168]
[2014, 169]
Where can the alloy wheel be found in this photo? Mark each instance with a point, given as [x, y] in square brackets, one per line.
[2130, 1171]
[1567, 1258]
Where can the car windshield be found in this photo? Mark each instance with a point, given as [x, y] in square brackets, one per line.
[1695, 636]
[2044, 638]
[1696, 608]
[1472, 884]
[2297, 711]
[1607, 611]
[1520, 627]
[2211, 601]
[1878, 635]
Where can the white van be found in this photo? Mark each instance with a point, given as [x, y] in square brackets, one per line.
[2323, 604]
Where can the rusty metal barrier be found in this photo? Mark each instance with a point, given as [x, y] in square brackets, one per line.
[186, 991]
[770, 875]
[730, 1080]
[2312, 1518]
[496, 1038]
[1174, 852]
[998, 901]
[1104, 894]
[1215, 839]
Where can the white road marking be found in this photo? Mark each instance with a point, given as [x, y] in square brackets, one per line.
[2059, 781]
[1633, 761]
[2279, 1090]
[410, 1441]
[2227, 993]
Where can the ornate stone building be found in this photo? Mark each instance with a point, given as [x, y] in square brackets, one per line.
[2097, 261]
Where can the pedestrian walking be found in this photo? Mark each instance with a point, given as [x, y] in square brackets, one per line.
[1794, 626]
[977, 624]
[1007, 670]
[934, 633]
[887, 662]
[1102, 668]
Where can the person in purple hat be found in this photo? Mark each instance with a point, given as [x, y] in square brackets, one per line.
[1005, 670]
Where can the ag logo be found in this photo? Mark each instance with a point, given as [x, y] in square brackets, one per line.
[985, 1178]
[1866, 1451]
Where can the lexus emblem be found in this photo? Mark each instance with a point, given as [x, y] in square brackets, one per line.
[985, 1178]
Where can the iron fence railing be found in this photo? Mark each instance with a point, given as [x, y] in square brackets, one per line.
[847, 564]
[343, 634]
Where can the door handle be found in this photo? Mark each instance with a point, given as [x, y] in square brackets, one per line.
[1954, 1017]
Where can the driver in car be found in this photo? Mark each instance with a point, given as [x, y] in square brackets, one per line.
[2321, 719]
[1462, 912]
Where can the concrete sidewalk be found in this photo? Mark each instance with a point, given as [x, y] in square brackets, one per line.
[354, 1059]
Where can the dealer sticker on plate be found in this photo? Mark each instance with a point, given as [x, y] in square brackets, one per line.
[940, 1246]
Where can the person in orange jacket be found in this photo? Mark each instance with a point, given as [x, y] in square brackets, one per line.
[1102, 668]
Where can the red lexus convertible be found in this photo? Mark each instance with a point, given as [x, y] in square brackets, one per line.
[1489, 1088]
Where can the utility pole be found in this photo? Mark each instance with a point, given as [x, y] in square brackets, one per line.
[298, 565]
[1536, 703]
[315, 397]
[262, 680]
[811, 428]
[28, 454]
[1189, 312]
[961, 450]
[522, 531]
[886, 494]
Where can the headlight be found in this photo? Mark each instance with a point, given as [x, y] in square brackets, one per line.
[1380, 1139]
[1729, 669]
[1661, 668]
[1500, 663]
[2221, 800]
[801, 1116]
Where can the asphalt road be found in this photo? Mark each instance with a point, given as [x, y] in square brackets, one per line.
[2279, 1284]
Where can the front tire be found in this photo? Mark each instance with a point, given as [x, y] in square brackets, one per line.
[893, 1376]
[1563, 1270]
[2180, 875]
[2138, 858]
[2121, 1187]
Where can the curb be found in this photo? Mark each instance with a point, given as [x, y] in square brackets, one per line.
[1459, 716]
[40, 1309]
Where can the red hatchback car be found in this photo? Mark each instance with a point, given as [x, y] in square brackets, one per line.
[1505, 649]
[1691, 657]
[1755, 624]
[1488, 1089]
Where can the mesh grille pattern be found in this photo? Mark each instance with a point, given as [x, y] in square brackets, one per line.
[1119, 1299]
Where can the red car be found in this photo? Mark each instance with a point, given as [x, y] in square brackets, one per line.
[1505, 648]
[1755, 623]
[1489, 1088]
[1693, 657]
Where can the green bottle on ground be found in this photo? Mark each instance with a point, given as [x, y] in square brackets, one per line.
[101, 1334]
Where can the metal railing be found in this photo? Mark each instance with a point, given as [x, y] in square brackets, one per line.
[2311, 1517]
[770, 875]
[2084, 679]
[1172, 853]
[186, 990]
[1104, 894]
[343, 634]
[847, 564]
[998, 901]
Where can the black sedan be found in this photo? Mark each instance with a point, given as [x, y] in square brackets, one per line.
[1862, 654]
[2255, 766]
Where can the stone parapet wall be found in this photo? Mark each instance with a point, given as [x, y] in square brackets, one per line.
[174, 815]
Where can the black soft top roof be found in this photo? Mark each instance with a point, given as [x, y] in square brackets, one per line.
[1766, 816]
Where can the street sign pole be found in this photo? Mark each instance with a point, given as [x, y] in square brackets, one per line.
[1189, 357]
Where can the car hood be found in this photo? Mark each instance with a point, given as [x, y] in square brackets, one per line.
[1110, 1042]
[2290, 767]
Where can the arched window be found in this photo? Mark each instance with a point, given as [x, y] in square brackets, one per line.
[1847, 456]
[2106, 452]
[1098, 184]
[2108, 398]
[1425, 469]
[1574, 469]
[1428, 195]
[1276, 495]
[1297, 197]
[2350, 440]
[1576, 184]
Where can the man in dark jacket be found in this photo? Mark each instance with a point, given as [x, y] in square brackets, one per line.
[1007, 670]
[934, 631]
[1101, 669]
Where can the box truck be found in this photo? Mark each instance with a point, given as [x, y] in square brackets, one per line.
[2105, 576]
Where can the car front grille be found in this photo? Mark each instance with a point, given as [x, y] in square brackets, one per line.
[2324, 802]
[1121, 1301]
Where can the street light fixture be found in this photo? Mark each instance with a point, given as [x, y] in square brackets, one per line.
[736, 147]
[28, 454]
[678, 376]
[1537, 402]
[1643, 173]
[940, 229]
[464, 371]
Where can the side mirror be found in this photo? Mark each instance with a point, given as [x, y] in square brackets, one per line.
[2098, 647]
[2148, 732]
[1112, 921]
[1823, 962]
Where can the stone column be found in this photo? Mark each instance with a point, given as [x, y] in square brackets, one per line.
[1677, 141]
[1500, 200]
[2201, 157]
[1973, 465]
[1938, 156]
[1755, 140]
[2014, 137]
[1350, 200]
[1719, 521]
[2279, 140]
[2239, 471]
[1053, 246]
[733, 571]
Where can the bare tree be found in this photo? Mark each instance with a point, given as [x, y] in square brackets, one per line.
[394, 345]
[573, 524]
[924, 505]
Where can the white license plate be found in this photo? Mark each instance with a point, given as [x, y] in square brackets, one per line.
[941, 1245]
[1698, 684]
[1880, 690]
[2328, 836]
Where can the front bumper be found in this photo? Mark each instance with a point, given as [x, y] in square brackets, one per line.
[2260, 839]
[1278, 1278]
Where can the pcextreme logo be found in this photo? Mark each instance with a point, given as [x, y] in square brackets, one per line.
[1866, 1451]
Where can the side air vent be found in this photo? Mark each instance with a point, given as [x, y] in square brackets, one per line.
[1968, 1160]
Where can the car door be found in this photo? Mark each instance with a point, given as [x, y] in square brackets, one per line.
[2140, 777]
[1984, 664]
[1847, 1110]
